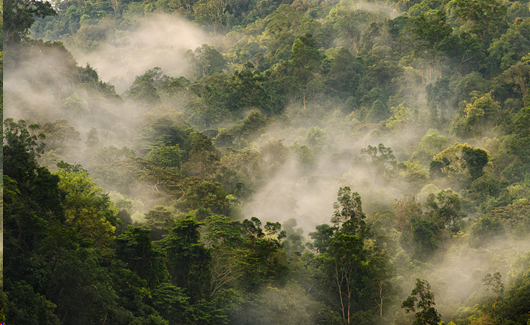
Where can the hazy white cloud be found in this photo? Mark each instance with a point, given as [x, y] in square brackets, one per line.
[158, 41]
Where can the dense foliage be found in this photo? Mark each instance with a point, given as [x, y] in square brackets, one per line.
[305, 162]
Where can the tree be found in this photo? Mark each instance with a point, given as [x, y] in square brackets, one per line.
[205, 197]
[78, 276]
[169, 157]
[92, 139]
[445, 209]
[225, 241]
[273, 237]
[424, 239]
[248, 91]
[87, 208]
[488, 18]
[401, 116]
[203, 158]
[265, 244]
[61, 141]
[421, 302]
[214, 13]
[206, 60]
[158, 220]
[381, 271]
[344, 73]
[19, 15]
[519, 74]
[519, 146]
[348, 215]
[381, 158]
[32, 197]
[430, 145]
[305, 58]
[494, 283]
[407, 211]
[21, 296]
[76, 106]
[432, 35]
[143, 90]
[452, 161]
[316, 137]
[513, 45]
[50, 266]
[342, 255]
[163, 183]
[485, 229]
[172, 303]
[480, 113]
[134, 248]
[476, 159]
[188, 259]
[343, 262]
[348, 23]
[438, 99]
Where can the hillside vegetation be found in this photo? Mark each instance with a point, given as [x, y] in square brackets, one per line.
[266, 162]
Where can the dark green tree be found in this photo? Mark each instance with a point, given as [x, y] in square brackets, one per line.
[134, 248]
[19, 16]
[424, 239]
[519, 146]
[421, 302]
[158, 220]
[476, 159]
[188, 259]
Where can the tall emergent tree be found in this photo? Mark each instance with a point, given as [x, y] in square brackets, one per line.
[306, 62]
[343, 258]
[421, 302]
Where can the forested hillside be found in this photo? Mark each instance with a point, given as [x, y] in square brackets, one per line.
[266, 162]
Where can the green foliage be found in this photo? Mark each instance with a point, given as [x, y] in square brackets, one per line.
[421, 302]
[381, 158]
[169, 157]
[20, 15]
[188, 260]
[429, 146]
[348, 215]
[158, 220]
[424, 239]
[476, 159]
[488, 18]
[205, 61]
[445, 209]
[144, 90]
[21, 295]
[87, 209]
[32, 197]
[134, 248]
[522, 140]
[270, 120]
[306, 62]
[316, 137]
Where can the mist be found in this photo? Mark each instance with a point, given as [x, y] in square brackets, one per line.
[157, 41]
[377, 8]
